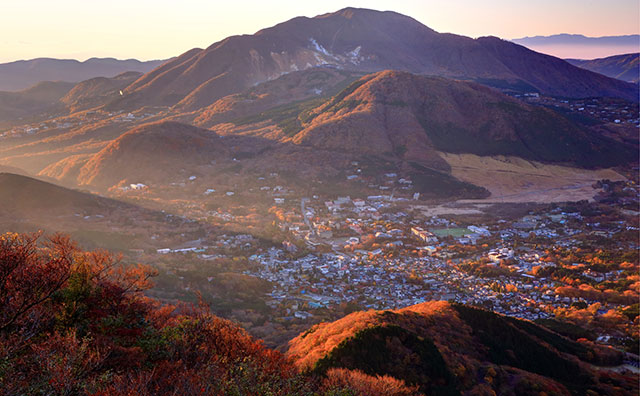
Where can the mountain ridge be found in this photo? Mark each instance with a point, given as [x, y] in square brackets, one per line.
[353, 39]
[568, 38]
[624, 67]
[40, 98]
[22, 74]
[412, 115]
[447, 349]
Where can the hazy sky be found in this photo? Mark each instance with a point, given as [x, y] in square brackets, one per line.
[158, 29]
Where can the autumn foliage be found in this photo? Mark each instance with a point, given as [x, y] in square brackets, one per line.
[75, 322]
[367, 385]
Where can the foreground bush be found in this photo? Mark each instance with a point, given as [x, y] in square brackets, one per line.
[361, 384]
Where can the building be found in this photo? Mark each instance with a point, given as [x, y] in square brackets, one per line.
[424, 235]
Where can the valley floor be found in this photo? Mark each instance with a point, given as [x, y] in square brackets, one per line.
[511, 179]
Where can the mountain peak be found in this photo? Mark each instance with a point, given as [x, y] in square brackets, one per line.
[351, 12]
[357, 39]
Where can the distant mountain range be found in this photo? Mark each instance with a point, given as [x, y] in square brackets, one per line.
[579, 39]
[351, 40]
[19, 75]
[47, 98]
[581, 47]
[623, 67]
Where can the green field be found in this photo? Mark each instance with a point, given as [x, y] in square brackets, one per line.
[454, 232]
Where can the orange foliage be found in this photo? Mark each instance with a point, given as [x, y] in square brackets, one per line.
[510, 288]
[628, 266]
[30, 276]
[75, 322]
[362, 384]
[588, 292]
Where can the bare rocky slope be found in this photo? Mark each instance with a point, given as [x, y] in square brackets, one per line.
[97, 91]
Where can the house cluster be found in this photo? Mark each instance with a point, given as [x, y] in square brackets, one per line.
[324, 281]
[208, 249]
[382, 257]
[603, 109]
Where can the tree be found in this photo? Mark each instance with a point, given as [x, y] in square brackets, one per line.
[29, 276]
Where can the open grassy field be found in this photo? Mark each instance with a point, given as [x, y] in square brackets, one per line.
[454, 232]
[511, 179]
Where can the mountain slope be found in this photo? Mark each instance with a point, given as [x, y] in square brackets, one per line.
[15, 76]
[449, 349]
[155, 151]
[410, 117]
[553, 76]
[393, 121]
[49, 98]
[317, 82]
[42, 97]
[96, 91]
[22, 194]
[623, 67]
[30, 205]
[354, 39]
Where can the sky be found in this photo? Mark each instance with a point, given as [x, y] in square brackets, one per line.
[160, 29]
